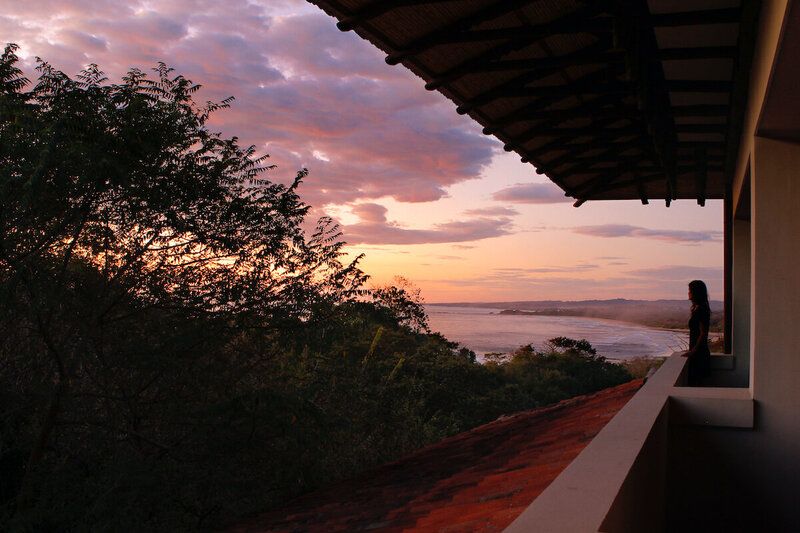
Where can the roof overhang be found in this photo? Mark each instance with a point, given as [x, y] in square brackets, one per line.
[610, 99]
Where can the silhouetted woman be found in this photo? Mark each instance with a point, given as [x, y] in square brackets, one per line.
[698, 354]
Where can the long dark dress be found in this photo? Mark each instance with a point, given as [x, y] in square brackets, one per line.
[700, 362]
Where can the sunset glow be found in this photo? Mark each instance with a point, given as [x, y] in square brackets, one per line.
[416, 187]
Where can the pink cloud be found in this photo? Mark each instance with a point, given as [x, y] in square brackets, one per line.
[679, 272]
[531, 193]
[373, 228]
[623, 230]
[370, 213]
[301, 87]
[492, 211]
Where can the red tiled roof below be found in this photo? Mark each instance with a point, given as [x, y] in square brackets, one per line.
[479, 480]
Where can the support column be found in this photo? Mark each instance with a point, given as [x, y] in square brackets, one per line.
[775, 326]
[728, 266]
[740, 327]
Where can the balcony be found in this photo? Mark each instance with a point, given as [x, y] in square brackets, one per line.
[658, 465]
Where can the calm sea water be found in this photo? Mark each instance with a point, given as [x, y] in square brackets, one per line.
[485, 330]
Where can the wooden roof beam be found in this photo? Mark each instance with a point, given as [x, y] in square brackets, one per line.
[594, 110]
[595, 129]
[551, 118]
[600, 189]
[609, 154]
[635, 34]
[693, 18]
[589, 26]
[584, 165]
[691, 145]
[564, 91]
[376, 9]
[491, 56]
[530, 76]
[463, 25]
[637, 177]
[701, 111]
[597, 55]
[695, 52]
[564, 139]
[542, 103]
[702, 128]
[585, 146]
[748, 33]
[698, 86]
[701, 175]
[603, 179]
[691, 169]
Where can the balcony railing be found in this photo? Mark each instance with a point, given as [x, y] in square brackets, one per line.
[619, 482]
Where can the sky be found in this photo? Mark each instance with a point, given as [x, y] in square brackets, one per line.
[415, 187]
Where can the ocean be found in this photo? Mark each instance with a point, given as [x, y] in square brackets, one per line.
[484, 330]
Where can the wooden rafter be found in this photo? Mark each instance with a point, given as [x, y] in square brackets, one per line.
[698, 86]
[553, 117]
[563, 91]
[563, 137]
[611, 153]
[473, 35]
[694, 52]
[637, 178]
[530, 80]
[702, 128]
[701, 175]
[596, 55]
[518, 83]
[458, 27]
[700, 17]
[599, 129]
[378, 8]
[637, 37]
[492, 55]
[544, 103]
[700, 111]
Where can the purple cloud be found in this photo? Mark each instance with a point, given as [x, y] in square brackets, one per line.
[374, 228]
[492, 211]
[623, 230]
[511, 273]
[679, 272]
[306, 93]
[531, 193]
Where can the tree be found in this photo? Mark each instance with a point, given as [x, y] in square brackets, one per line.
[404, 301]
[174, 351]
[132, 239]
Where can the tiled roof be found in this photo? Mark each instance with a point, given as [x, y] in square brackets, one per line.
[479, 480]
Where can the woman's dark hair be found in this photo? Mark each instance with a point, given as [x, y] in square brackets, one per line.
[699, 292]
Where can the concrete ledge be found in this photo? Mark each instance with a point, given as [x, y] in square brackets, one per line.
[584, 497]
[618, 482]
[712, 406]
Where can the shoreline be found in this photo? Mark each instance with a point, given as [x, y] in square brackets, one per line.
[487, 330]
[655, 322]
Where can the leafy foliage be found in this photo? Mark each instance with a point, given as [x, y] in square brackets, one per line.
[404, 301]
[135, 244]
[175, 351]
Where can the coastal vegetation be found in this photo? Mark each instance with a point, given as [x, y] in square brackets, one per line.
[175, 350]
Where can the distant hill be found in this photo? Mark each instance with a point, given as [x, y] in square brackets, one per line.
[655, 313]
